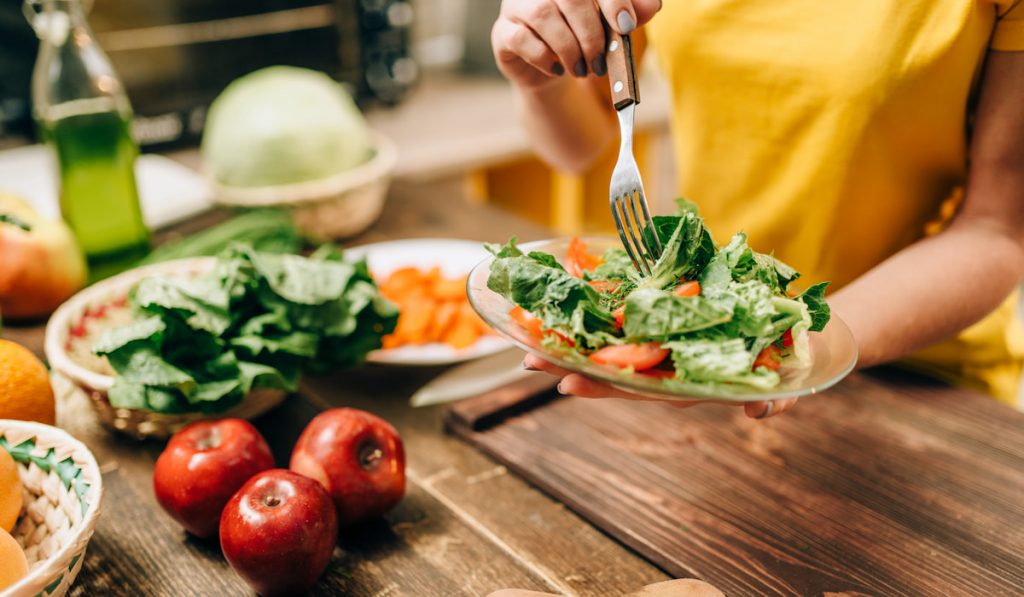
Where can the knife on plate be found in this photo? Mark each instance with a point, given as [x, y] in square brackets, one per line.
[480, 377]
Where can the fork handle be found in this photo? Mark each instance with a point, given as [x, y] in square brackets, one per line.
[621, 70]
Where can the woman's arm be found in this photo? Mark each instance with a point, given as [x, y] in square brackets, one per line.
[548, 49]
[943, 284]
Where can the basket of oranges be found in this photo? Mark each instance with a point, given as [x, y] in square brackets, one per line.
[50, 492]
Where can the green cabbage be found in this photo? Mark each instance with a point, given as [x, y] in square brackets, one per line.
[283, 125]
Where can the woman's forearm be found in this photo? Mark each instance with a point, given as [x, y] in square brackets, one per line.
[929, 291]
[566, 122]
[940, 285]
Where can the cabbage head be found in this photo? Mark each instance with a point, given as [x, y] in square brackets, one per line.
[281, 125]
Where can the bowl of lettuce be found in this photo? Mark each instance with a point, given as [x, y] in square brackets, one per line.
[711, 322]
[162, 345]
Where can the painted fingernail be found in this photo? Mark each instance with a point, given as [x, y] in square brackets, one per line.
[558, 69]
[529, 367]
[626, 22]
[768, 408]
[600, 67]
[581, 68]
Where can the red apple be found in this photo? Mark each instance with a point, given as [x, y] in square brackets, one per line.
[278, 532]
[203, 465]
[357, 457]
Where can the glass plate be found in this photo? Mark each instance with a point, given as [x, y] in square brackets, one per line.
[833, 351]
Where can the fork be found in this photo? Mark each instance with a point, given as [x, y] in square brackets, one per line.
[626, 192]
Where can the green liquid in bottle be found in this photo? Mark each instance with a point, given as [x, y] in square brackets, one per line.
[98, 196]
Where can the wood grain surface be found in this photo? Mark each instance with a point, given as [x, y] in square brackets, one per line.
[888, 484]
[466, 526]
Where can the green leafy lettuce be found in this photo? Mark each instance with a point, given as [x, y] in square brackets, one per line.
[744, 306]
[256, 321]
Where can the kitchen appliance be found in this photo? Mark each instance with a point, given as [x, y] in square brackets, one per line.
[175, 56]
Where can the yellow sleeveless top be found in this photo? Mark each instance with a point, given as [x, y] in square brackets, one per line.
[834, 133]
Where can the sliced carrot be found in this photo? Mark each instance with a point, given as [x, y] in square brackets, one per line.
[530, 322]
[400, 281]
[443, 321]
[464, 333]
[450, 289]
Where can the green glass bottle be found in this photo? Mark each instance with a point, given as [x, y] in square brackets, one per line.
[83, 113]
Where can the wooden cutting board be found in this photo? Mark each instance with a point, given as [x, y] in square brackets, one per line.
[887, 484]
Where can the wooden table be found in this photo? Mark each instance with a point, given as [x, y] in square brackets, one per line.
[467, 526]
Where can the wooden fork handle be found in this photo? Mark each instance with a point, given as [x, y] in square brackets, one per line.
[621, 70]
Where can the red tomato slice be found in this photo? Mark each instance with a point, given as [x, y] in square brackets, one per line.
[530, 322]
[691, 288]
[659, 373]
[577, 260]
[605, 286]
[640, 357]
[787, 338]
[534, 326]
[620, 317]
[770, 358]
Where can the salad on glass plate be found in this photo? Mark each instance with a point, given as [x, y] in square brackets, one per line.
[710, 322]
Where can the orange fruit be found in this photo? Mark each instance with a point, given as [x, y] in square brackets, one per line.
[13, 565]
[25, 391]
[10, 492]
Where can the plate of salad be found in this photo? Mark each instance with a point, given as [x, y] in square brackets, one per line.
[711, 322]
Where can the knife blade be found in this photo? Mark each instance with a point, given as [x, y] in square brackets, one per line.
[472, 379]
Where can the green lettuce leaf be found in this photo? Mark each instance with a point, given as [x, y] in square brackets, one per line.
[814, 298]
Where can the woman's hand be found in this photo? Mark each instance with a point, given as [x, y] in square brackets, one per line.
[537, 41]
[581, 385]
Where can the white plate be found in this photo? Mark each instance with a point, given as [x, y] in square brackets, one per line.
[168, 191]
[455, 258]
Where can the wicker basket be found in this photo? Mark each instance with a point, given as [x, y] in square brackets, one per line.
[63, 491]
[335, 207]
[71, 376]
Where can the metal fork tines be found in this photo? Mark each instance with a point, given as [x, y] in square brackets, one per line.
[626, 192]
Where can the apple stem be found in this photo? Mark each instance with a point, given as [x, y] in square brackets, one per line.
[272, 501]
[211, 440]
[370, 455]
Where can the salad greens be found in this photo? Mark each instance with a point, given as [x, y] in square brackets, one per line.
[707, 314]
[256, 321]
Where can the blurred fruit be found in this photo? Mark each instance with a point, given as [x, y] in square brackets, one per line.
[203, 465]
[42, 266]
[25, 391]
[278, 532]
[13, 565]
[10, 491]
[357, 457]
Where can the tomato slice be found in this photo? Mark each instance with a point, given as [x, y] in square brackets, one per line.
[577, 260]
[534, 326]
[787, 338]
[659, 373]
[530, 322]
[691, 288]
[640, 357]
[769, 358]
[605, 286]
[620, 317]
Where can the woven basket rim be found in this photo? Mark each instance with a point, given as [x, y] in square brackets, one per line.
[374, 170]
[56, 563]
[62, 320]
